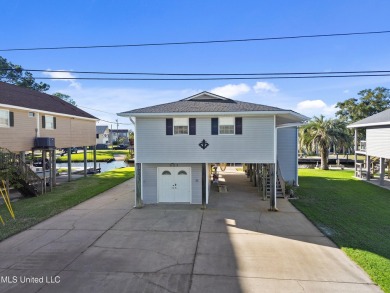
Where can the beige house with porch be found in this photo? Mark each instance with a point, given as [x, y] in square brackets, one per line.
[35, 121]
[27, 114]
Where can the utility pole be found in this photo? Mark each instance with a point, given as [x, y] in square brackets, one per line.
[117, 131]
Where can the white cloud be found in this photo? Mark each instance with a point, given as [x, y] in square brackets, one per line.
[311, 104]
[346, 91]
[315, 108]
[65, 76]
[262, 87]
[231, 90]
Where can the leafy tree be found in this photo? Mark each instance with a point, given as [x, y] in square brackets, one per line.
[369, 103]
[66, 98]
[14, 74]
[321, 133]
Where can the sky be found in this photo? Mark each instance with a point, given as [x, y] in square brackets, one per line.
[48, 23]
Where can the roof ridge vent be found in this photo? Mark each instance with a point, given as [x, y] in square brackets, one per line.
[206, 96]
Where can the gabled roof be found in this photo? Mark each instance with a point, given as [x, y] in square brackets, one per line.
[17, 96]
[100, 129]
[204, 102]
[382, 118]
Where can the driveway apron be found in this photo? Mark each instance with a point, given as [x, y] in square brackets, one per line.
[235, 245]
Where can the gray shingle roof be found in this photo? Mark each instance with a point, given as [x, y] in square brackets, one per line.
[119, 130]
[101, 128]
[382, 118]
[31, 99]
[201, 104]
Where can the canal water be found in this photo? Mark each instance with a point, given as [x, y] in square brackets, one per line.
[104, 166]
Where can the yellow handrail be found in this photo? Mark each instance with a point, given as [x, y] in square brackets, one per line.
[5, 195]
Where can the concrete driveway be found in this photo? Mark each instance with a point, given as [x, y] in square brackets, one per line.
[236, 245]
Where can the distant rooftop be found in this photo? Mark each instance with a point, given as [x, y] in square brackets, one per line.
[119, 130]
[100, 129]
[382, 118]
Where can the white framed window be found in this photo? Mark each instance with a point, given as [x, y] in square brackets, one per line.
[49, 122]
[226, 125]
[180, 125]
[4, 118]
[31, 114]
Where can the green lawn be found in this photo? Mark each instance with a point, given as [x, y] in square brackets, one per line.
[31, 211]
[101, 156]
[353, 213]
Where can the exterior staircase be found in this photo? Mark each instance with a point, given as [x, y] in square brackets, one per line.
[280, 190]
[260, 176]
[19, 174]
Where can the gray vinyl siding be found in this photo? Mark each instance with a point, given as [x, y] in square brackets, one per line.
[378, 142]
[196, 183]
[288, 152]
[149, 182]
[69, 132]
[255, 145]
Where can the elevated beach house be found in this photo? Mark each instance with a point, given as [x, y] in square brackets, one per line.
[35, 121]
[176, 145]
[375, 146]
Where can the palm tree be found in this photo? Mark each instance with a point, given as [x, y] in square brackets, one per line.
[320, 133]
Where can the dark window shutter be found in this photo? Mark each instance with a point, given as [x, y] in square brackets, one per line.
[238, 125]
[214, 126]
[11, 119]
[97, 135]
[43, 121]
[54, 122]
[169, 126]
[192, 122]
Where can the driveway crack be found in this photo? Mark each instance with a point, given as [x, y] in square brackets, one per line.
[153, 283]
[196, 252]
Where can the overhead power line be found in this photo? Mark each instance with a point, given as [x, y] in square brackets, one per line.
[106, 113]
[116, 122]
[212, 78]
[135, 76]
[96, 110]
[197, 42]
[196, 74]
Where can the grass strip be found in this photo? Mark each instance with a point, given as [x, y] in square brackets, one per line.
[101, 156]
[30, 211]
[354, 214]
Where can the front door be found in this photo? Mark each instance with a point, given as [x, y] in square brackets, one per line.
[174, 184]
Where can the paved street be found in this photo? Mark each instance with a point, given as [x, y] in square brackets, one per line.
[235, 245]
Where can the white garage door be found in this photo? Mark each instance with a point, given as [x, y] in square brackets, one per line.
[174, 184]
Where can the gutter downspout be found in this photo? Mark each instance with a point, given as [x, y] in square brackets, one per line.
[297, 161]
[274, 208]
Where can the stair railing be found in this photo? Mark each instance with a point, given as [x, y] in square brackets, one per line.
[10, 160]
[281, 179]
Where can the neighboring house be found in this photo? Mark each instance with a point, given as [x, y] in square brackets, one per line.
[102, 134]
[119, 133]
[375, 147]
[26, 114]
[177, 143]
[35, 121]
